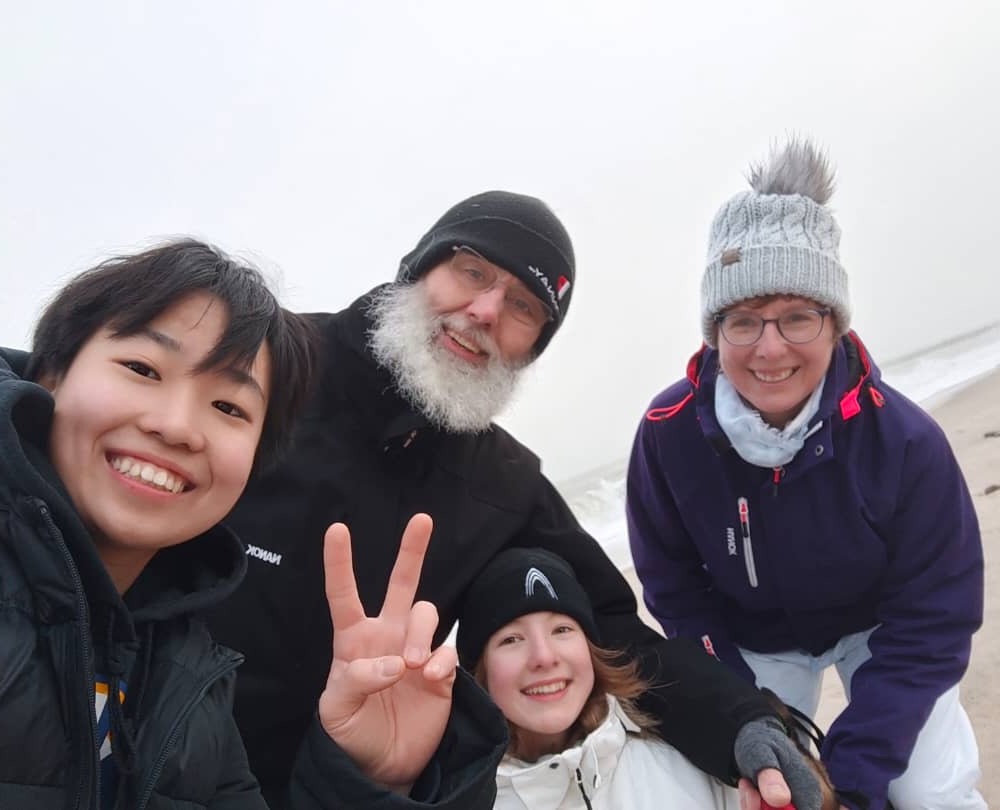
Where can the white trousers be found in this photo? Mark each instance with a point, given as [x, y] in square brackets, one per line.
[944, 766]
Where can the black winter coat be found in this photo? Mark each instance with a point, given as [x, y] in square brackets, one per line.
[177, 745]
[365, 457]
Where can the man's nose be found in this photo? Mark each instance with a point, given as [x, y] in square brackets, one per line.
[486, 307]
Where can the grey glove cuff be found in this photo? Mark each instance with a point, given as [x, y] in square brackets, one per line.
[764, 743]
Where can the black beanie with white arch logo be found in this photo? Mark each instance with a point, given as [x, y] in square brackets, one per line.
[517, 582]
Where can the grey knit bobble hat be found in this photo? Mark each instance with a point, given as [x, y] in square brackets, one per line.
[779, 238]
[519, 233]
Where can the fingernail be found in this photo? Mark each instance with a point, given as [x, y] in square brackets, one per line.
[415, 655]
[390, 666]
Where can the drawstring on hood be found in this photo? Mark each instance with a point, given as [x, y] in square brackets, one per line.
[120, 733]
[694, 377]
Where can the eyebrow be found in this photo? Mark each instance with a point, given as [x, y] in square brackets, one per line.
[237, 375]
[161, 339]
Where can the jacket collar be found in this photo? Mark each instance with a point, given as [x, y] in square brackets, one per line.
[544, 784]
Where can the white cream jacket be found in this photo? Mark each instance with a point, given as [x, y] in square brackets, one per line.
[614, 767]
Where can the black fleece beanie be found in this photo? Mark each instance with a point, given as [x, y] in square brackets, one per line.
[514, 231]
[517, 582]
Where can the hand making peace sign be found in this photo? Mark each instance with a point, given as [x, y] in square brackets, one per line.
[387, 699]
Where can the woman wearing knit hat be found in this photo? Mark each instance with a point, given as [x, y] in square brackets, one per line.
[528, 633]
[791, 511]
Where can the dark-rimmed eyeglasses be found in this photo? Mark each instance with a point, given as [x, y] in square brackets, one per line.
[476, 275]
[798, 326]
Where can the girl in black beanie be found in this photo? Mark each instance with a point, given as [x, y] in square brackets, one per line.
[527, 632]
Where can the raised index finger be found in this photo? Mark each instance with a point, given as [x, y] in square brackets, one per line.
[341, 587]
[405, 575]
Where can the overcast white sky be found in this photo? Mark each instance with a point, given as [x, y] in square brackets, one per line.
[323, 138]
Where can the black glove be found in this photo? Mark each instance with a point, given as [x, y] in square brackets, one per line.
[764, 743]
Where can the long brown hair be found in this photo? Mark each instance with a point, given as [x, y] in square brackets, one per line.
[614, 674]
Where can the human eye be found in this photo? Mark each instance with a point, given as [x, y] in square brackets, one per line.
[230, 410]
[510, 638]
[799, 317]
[743, 321]
[140, 368]
[527, 309]
[523, 306]
[562, 629]
[471, 271]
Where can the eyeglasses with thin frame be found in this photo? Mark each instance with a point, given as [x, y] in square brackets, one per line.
[476, 275]
[741, 328]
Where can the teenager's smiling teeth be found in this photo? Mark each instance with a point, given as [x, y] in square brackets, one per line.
[547, 688]
[773, 376]
[149, 474]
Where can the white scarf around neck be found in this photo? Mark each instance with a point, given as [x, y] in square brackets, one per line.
[752, 438]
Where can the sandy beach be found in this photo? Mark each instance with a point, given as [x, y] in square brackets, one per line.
[971, 419]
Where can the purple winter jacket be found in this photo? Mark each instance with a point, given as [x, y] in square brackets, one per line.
[870, 524]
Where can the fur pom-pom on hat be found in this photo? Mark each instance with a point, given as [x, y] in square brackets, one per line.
[777, 239]
[799, 168]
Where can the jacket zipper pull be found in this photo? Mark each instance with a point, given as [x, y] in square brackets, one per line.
[776, 479]
[579, 784]
[743, 506]
[409, 439]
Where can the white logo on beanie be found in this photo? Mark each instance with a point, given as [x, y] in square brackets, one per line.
[548, 287]
[532, 578]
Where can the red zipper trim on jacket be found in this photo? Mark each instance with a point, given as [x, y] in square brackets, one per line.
[659, 414]
[850, 406]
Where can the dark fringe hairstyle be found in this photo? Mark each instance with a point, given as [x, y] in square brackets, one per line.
[125, 293]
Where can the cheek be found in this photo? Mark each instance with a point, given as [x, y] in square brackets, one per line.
[233, 460]
[501, 674]
[584, 666]
[439, 298]
[727, 360]
[516, 345]
[819, 361]
[81, 414]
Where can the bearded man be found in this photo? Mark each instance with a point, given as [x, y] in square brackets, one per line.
[401, 421]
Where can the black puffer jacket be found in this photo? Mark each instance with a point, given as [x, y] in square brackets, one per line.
[365, 457]
[175, 740]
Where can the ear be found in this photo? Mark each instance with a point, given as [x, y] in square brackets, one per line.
[49, 381]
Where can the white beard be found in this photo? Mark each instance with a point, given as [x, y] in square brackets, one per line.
[450, 392]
